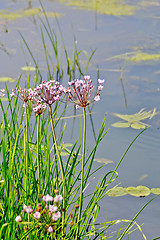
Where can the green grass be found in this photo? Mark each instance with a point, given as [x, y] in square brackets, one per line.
[33, 163]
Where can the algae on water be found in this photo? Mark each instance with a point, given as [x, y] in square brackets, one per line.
[5, 14]
[137, 56]
[110, 7]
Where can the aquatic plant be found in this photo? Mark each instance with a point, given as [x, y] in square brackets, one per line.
[114, 7]
[134, 120]
[33, 164]
[44, 219]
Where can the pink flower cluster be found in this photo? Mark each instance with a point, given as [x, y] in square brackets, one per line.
[2, 92]
[46, 212]
[80, 91]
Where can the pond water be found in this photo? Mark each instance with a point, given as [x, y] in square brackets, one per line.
[129, 86]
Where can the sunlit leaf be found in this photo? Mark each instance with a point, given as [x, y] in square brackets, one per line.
[121, 124]
[155, 190]
[103, 160]
[28, 68]
[138, 125]
[139, 191]
[7, 79]
[134, 120]
[117, 191]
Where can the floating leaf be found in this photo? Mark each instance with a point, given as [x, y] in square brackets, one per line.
[134, 120]
[121, 124]
[155, 190]
[7, 79]
[28, 68]
[117, 191]
[103, 160]
[138, 125]
[139, 191]
[65, 145]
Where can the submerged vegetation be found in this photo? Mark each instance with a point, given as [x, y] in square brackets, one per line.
[138, 56]
[44, 181]
[8, 15]
[134, 120]
[113, 7]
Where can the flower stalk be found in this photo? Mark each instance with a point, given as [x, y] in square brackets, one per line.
[82, 167]
[26, 152]
[38, 159]
[60, 163]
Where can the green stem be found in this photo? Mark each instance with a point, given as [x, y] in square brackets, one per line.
[61, 167]
[38, 160]
[26, 153]
[82, 169]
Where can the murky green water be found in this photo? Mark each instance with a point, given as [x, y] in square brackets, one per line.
[128, 48]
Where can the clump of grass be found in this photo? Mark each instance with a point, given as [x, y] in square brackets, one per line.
[33, 168]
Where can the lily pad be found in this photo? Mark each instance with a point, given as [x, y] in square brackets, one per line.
[155, 190]
[103, 160]
[139, 191]
[117, 191]
[134, 120]
[7, 79]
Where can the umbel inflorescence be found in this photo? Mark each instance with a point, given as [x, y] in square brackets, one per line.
[79, 92]
[46, 215]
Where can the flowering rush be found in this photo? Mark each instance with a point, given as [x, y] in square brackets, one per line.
[45, 94]
[46, 213]
[80, 91]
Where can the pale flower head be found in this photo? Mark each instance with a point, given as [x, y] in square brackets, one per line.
[80, 91]
[52, 208]
[37, 215]
[50, 229]
[27, 209]
[18, 219]
[97, 98]
[48, 198]
[56, 216]
[58, 198]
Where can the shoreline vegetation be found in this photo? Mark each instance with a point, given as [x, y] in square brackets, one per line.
[43, 180]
